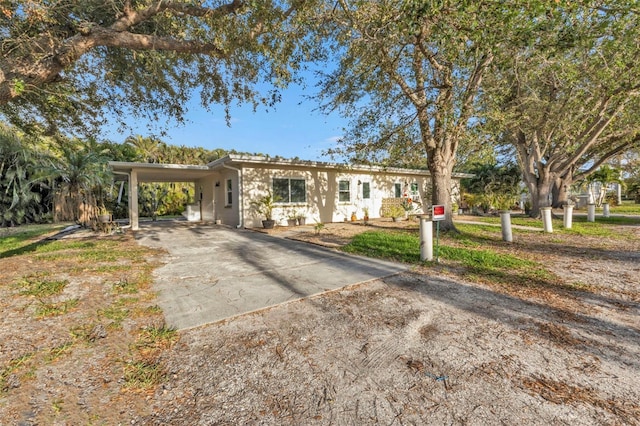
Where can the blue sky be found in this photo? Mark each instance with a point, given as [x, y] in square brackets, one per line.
[291, 129]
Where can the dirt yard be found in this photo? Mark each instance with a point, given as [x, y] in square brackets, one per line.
[430, 346]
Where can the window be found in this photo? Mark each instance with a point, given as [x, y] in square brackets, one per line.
[287, 190]
[414, 193]
[344, 192]
[397, 190]
[229, 188]
[366, 190]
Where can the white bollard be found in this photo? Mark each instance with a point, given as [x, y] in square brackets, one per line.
[591, 212]
[605, 210]
[505, 222]
[426, 238]
[568, 216]
[546, 219]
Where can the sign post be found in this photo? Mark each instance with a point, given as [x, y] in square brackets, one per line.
[438, 214]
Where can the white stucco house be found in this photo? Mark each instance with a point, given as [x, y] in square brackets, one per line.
[320, 191]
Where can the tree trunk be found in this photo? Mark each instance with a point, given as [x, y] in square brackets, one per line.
[560, 191]
[441, 169]
[540, 194]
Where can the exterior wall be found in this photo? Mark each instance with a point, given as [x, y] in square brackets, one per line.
[322, 192]
[206, 187]
[228, 214]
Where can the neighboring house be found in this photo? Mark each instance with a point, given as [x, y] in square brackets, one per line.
[319, 191]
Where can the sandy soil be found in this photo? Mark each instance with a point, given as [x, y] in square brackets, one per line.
[426, 347]
[431, 346]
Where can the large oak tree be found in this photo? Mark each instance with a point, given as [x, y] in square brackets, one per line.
[63, 63]
[410, 75]
[567, 95]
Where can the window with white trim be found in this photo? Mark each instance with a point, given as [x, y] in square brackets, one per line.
[414, 193]
[397, 189]
[229, 190]
[344, 191]
[289, 190]
[366, 190]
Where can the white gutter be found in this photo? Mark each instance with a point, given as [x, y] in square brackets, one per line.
[240, 195]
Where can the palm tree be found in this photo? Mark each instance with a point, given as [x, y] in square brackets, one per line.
[148, 149]
[601, 179]
[77, 173]
[20, 197]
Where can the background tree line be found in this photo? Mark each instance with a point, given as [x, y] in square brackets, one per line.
[36, 173]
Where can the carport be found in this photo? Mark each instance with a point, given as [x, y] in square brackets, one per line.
[136, 173]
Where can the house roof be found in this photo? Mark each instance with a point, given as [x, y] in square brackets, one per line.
[151, 172]
[234, 159]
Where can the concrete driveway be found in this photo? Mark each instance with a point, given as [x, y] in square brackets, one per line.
[214, 272]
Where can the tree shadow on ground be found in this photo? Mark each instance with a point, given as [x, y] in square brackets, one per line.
[586, 333]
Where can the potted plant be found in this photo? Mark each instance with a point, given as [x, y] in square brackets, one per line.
[365, 211]
[103, 215]
[302, 219]
[396, 211]
[264, 206]
[292, 218]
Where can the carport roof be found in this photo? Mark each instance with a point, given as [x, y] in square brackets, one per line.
[149, 172]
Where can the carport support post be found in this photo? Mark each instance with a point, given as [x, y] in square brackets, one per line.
[133, 200]
[426, 238]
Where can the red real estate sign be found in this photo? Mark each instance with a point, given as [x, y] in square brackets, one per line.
[438, 213]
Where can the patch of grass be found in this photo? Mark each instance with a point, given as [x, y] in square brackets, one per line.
[580, 226]
[14, 241]
[627, 207]
[124, 286]
[486, 259]
[116, 314]
[142, 374]
[36, 285]
[155, 309]
[401, 247]
[108, 268]
[53, 309]
[59, 245]
[520, 220]
[497, 266]
[475, 229]
[157, 337]
[57, 405]
[57, 352]
[13, 366]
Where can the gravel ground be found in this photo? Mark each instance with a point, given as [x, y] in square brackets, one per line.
[431, 346]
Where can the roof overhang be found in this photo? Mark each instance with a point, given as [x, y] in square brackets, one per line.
[238, 160]
[148, 172]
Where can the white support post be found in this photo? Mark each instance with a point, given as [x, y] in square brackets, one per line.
[505, 222]
[591, 212]
[546, 220]
[133, 200]
[568, 216]
[426, 238]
